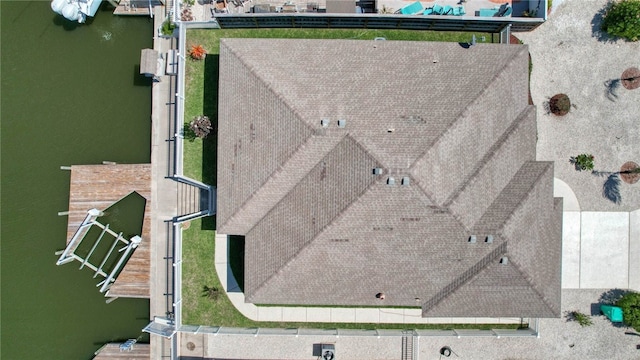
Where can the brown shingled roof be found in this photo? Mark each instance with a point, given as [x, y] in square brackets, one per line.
[450, 125]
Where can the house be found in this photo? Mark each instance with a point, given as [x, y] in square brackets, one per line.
[358, 168]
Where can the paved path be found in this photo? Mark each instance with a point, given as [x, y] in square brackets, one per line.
[164, 191]
[569, 57]
[558, 340]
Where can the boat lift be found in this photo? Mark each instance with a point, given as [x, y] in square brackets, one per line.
[68, 254]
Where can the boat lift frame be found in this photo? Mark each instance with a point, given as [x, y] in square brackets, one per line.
[68, 254]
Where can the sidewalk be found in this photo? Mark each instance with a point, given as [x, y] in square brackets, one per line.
[600, 249]
[326, 314]
[164, 191]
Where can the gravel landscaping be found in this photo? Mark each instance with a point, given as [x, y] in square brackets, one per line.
[571, 56]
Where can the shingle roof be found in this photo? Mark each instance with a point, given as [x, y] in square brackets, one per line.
[450, 125]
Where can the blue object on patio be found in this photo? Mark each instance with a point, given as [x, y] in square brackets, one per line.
[488, 12]
[614, 313]
[458, 11]
[412, 9]
[428, 11]
[437, 9]
[447, 10]
[507, 12]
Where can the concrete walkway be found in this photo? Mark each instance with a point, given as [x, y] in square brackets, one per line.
[326, 314]
[600, 249]
[164, 191]
[558, 340]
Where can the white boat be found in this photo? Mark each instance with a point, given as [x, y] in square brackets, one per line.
[76, 10]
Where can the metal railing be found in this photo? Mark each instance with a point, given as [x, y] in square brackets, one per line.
[459, 333]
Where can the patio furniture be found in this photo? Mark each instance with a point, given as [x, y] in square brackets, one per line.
[458, 11]
[412, 9]
[507, 12]
[488, 12]
[447, 10]
[437, 9]
[428, 11]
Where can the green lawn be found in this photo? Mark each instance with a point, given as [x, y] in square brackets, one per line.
[200, 164]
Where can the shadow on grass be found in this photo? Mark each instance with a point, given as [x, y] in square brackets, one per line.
[210, 143]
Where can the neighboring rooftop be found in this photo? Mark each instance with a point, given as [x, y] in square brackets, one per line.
[405, 168]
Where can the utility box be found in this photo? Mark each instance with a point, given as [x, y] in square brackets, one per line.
[614, 313]
[328, 352]
[324, 351]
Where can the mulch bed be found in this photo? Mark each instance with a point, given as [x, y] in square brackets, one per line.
[629, 178]
[631, 73]
[559, 104]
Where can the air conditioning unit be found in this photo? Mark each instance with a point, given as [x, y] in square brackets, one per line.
[328, 352]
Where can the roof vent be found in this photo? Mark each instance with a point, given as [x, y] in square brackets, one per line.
[325, 123]
[504, 260]
[342, 123]
[391, 181]
[377, 171]
[405, 181]
[472, 239]
[489, 239]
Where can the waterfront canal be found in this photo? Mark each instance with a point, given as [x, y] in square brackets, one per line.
[70, 94]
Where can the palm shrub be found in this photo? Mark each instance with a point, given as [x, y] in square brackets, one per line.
[622, 19]
[630, 304]
[580, 318]
[582, 162]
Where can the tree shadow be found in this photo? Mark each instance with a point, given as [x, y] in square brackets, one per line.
[612, 296]
[612, 86]
[611, 187]
[596, 24]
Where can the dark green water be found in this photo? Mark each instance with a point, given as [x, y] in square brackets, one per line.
[69, 95]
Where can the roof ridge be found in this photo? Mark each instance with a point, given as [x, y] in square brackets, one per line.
[321, 231]
[464, 278]
[527, 194]
[280, 97]
[490, 153]
[268, 85]
[279, 171]
[472, 102]
[533, 286]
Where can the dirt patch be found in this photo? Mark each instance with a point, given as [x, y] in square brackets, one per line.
[629, 178]
[186, 225]
[631, 78]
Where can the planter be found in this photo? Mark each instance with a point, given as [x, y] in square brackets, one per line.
[559, 104]
[630, 78]
[626, 175]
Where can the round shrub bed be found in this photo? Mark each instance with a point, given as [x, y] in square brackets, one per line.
[627, 173]
[631, 78]
[559, 104]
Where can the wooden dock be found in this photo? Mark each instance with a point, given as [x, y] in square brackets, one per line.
[135, 7]
[112, 351]
[100, 186]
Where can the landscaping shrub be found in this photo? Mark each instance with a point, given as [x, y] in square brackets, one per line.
[580, 318]
[582, 162]
[630, 304]
[560, 104]
[167, 27]
[623, 19]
